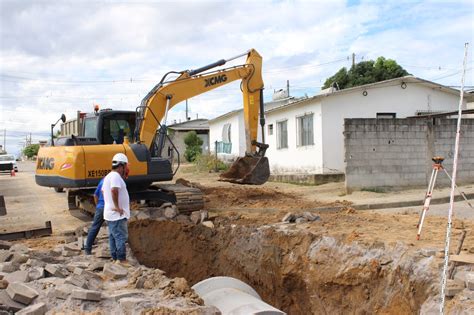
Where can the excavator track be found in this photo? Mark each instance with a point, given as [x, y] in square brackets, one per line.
[188, 199]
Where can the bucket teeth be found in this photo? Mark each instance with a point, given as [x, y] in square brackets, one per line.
[248, 170]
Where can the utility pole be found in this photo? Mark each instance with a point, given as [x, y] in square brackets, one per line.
[187, 117]
[288, 88]
[353, 59]
[5, 139]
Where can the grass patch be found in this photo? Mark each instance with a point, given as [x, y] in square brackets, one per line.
[379, 190]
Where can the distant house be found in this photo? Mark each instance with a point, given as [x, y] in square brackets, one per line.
[306, 135]
[178, 132]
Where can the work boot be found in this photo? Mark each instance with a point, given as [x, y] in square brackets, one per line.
[123, 263]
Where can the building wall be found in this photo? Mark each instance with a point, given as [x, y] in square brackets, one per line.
[295, 159]
[398, 152]
[237, 135]
[390, 98]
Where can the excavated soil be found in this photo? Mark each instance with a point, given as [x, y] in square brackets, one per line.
[356, 262]
[296, 271]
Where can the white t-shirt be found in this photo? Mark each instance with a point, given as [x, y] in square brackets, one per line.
[112, 180]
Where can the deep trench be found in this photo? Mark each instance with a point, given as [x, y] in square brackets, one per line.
[297, 272]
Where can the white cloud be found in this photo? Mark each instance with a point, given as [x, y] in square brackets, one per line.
[64, 56]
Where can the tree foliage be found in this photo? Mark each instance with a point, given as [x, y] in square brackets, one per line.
[31, 150]
[193, 146]
[366, 72]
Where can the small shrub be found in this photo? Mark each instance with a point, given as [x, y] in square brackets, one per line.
[207, 163]
[193, 146]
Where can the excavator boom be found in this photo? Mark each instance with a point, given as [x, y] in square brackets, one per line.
[251, 169]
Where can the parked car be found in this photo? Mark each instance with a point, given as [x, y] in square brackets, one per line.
[8, 163]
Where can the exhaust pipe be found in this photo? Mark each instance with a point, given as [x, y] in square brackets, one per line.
[233, 297]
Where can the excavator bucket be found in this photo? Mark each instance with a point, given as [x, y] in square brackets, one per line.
[248, 170]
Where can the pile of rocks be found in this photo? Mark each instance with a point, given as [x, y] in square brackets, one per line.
[300, 217]
[167, 211]
[65, 280]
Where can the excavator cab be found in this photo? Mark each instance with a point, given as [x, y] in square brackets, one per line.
[252, 169]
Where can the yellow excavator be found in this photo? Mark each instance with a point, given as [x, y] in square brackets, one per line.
[79, 162]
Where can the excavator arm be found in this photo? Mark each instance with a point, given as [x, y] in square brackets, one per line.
[251, 169]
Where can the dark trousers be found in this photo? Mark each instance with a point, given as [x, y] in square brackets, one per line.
[118, 235]
[94, 229]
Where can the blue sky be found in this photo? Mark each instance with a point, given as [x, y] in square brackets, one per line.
[63, 56]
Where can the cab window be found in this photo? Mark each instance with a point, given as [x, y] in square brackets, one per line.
[115, 130]
[90, 127]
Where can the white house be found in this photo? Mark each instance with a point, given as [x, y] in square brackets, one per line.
[306, 135]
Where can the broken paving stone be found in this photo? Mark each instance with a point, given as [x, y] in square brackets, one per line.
[80, 242]
[208, 224]
[55, 271]
[22, 293]
[469, 277]
[68, 253]
[289, 217]
[69, 238]
[301, 220]
[428, 252]
[103, 252]
[35, 309]
[115, 271]
[96, 266]
[310, 216]
[126, 294]
[20, 248]
[453, 287]
[8, 267]
[35, 273]
[88, 295]
[5, 244]
[77, 281]
[8, 303]
[183, 219]
[128, 304]
[18, 276]
[35, 263]
[72, 247]
[19, 258]
[5, 255]
[171, 212]
[63, 291]
[195, 217]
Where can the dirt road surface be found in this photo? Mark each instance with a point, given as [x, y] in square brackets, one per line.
[29, 205]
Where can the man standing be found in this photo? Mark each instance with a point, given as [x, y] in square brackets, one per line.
[98, 218]
[117, 207]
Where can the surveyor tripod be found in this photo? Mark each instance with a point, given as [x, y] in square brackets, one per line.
[437, 166]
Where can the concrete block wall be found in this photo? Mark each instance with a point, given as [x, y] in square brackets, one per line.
[396, 153]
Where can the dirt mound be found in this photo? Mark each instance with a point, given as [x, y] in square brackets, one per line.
[258, 197]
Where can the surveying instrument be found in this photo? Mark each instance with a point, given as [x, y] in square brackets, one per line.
[437, 166]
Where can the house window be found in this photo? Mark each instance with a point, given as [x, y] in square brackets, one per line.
[226, 133]
[305, 130]
[386, 115]
[282, 134]
[270, 129]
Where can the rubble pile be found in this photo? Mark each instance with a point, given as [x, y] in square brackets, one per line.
[65, 280]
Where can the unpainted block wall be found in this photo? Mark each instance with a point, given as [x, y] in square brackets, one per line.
[397, 153]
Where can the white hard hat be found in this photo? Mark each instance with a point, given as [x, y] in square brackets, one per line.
[119, 158]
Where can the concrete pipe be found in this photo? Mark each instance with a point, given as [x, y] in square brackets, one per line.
[233, 297]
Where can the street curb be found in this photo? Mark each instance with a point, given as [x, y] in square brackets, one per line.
[408, 203]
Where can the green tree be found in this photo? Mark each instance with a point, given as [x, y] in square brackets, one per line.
[193, 146]
[366, 72]
[31, 150]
